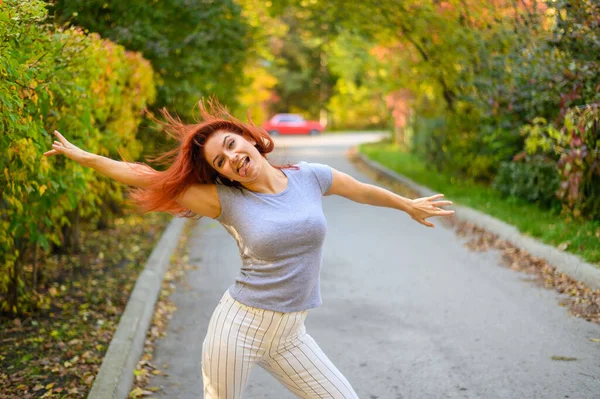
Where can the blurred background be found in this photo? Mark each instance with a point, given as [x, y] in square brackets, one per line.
[504, 93]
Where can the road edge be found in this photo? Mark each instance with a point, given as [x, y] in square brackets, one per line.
[567, 263]
[115, 377]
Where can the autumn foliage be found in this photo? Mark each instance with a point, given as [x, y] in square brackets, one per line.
[479, 74]
[89, 88]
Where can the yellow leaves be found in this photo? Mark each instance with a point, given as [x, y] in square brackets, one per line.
[539, 121]
[14, 203]
[258, 91]
[139, 372]
[32, 110]
[595, 339]
[70, 363]
[139, 392]
[543, 136]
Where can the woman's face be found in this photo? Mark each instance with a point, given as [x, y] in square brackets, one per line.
[233, 156]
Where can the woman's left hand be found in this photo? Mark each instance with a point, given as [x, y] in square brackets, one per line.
[423, 208]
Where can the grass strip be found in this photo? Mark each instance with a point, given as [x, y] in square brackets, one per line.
[580, 237]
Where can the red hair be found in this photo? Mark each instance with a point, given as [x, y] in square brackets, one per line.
[187, 164]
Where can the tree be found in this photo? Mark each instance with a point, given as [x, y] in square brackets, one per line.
[197, 48]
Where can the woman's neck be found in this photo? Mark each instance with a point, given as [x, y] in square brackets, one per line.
[270, 180]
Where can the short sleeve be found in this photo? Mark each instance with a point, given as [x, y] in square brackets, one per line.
[225, 199]
[323, 174]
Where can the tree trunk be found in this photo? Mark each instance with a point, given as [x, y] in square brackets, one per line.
[71, 242]
[110, 209]
[34, 283]
[13, 287]
[399, 135]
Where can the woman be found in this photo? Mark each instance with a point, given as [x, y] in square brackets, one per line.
[220, 170]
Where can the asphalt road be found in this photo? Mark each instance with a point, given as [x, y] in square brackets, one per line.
[408, 311]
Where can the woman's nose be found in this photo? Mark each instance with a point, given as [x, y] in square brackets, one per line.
[231, 157]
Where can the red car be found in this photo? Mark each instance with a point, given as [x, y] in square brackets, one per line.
[291, 124]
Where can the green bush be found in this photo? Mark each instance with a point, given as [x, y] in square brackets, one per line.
[196, 48]
[464, 146]
[535, 180]
[426, 142]
[519, 71]
[575, 149]
[86, 87]
[579, 165]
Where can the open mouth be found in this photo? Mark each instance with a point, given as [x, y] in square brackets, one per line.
[243, 166]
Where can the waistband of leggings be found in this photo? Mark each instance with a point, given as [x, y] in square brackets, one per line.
[227, 296]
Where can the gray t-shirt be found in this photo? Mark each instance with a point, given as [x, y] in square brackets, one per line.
[280, 238]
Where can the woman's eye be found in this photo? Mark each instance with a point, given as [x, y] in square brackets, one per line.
[231, 143]
[220, 163]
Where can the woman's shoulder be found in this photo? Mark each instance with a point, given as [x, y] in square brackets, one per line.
[314, 167]
[311, 165]
[202, 199]
[321, 173]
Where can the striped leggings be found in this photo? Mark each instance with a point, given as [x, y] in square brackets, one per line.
[241, 336]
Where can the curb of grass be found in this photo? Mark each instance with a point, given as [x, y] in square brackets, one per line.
[115, 377]
[571, 265]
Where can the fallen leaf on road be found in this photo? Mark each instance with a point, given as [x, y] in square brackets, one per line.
[138, 392]
[564, 358]
[595, 339]
[564, 245]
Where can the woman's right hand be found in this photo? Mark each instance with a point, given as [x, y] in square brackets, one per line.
[64, 147]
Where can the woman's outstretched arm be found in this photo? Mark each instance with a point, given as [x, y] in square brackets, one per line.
[202, 199]
[419, 209]
[132, 174]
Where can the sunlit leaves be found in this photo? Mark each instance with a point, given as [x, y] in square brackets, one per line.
[196, 48]
[575, 150]
[90, 89]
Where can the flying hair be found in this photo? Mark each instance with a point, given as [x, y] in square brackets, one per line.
[186, 162]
